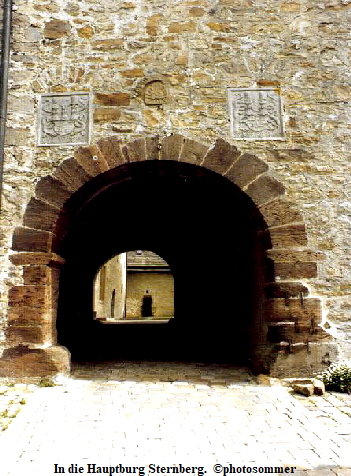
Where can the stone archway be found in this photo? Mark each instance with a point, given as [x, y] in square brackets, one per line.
[295, 344]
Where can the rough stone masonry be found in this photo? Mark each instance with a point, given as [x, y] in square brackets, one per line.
[270, 78]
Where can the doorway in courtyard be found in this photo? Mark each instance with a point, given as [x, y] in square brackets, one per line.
[136, 287]
[206, 230]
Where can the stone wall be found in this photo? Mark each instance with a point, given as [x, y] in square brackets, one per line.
[110, 284]
[194, 50]
[158, 285]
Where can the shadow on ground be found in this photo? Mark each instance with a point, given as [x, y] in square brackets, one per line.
[157, 371]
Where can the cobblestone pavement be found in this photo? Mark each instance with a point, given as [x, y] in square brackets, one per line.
[12, 398]
[333, 409]
[169, 414]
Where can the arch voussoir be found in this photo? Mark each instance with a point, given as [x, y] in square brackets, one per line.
[52, 191]
[171, 147]
[135, 151]
[71, 174]
[285, 290]
[288, 236]
[246, 169]
[280, 212]
[193, 152]
[294, 321]
[152, 148]
[111, 149]
[221, 157]
[293, 270]
[292, 264]
[91, 160]
[30, 239]
[41, 215]
[264, 189]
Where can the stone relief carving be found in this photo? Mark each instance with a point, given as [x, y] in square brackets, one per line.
[153, 91]
[64, 119]
[256, 114]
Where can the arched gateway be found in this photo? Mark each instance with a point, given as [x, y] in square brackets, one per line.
[236, 246]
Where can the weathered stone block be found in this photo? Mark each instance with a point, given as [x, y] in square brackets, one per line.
[264, 189]
[21, 361]
[301, 310]
[133, 73]
[34, 334]
[135, 151]
[193, 152]
[283, 332]
[246, 169]
[27, 316]
[152, 24]
[106, 114]
[91, 159]
[285, 290]
[153, 148]
[294, 332]
[71, 174]
[18, 137]
[182, 27]
[171, 147]
[280, 212]
[28, 239]
[303, 360]
[85, 32]
[306, 389]
[288, 236]
[221, 156]
[295, 270]
[294, 256]
[319, 387]
[55, 29]
[222, 27]
[196, 12]
[37, 258]
[112, 99]
[40, 275]
[111, 149]
[40, 215]
[52, 191]
[31, 296]
[107, 45]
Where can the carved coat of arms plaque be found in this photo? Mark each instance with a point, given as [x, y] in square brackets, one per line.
[255, 114]
[155, 93]
[64, 119]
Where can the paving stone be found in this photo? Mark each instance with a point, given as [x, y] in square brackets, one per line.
[95, 416]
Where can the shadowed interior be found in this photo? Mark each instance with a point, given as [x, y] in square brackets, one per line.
[206, 229]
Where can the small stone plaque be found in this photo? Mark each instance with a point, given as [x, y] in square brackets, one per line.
[64, 119]
[153, 90]
[256, 114]
[155, 93]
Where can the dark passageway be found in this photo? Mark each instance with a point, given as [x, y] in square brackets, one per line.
[203, 226]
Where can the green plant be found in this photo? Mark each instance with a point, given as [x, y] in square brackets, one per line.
[46, 382]
[337, 377]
